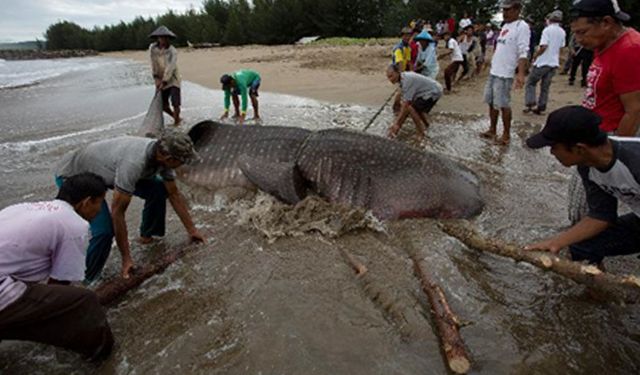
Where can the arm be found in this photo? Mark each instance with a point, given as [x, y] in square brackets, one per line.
[172, 63]
[399, 121]
[524, 36]
[539, 52]
[586, 228]
[227, 104]
[520, 78]
[445, 54]
[180, 207]
[119, 207]
[629, 123]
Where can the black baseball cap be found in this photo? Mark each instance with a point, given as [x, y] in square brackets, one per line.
[598, 8]
[571, 124]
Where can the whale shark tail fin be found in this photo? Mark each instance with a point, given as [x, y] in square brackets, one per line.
[282, 180]
[153, 123]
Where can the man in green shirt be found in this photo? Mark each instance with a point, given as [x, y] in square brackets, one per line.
[236, 84]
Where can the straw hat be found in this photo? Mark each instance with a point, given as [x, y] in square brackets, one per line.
[162, 31]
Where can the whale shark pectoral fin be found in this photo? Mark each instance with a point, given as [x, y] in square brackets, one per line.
[280, 179]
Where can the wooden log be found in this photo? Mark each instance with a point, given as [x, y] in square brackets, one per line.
[446, 322]
[114, 289]
[358, 267]
[620, 288]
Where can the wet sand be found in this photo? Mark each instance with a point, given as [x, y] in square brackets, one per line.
[245, 303]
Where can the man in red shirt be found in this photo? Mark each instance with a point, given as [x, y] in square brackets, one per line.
[613, 81]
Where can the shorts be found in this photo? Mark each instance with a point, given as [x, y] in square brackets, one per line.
[172, 93]
[497, 92]
[424, 105]
[253, 89]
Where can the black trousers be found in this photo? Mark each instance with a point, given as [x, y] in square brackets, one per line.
[584, 59]
[59, 315]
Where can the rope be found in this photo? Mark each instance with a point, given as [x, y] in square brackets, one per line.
[379, 111]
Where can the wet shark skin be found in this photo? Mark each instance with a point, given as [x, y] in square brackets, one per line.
[391, 179]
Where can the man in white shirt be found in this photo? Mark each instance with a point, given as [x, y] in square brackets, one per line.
[512, 50]
[457, 59]
[546, 61]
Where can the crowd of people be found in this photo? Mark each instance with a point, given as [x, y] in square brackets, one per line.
[591, 136]
[49, 241]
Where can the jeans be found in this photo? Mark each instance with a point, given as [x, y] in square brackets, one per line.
[621, 238]
[154, 212]
[544, 74]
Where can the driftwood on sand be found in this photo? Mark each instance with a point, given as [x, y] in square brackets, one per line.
[620, 288]
[112, 290]
[446, 322]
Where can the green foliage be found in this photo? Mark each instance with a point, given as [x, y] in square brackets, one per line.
[237, 22]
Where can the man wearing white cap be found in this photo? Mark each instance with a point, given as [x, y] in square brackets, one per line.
[545, 62]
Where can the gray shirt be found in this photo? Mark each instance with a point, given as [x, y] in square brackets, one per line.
[414, 86]
[121, 161]
[164, 64]
[619, 181]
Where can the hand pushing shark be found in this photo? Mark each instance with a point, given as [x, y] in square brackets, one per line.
[387, 177]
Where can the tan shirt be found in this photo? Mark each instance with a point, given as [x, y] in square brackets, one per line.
[164, 64]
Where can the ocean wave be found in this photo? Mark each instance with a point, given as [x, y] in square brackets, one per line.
[15, 74]
[28, 145]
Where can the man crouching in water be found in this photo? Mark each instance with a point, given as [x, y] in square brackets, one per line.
[610, 171]
[419, 95]
[47, 241]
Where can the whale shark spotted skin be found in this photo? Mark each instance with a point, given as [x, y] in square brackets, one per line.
[387, 177]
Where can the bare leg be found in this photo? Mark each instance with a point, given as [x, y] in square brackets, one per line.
[506, 122]
[417, 119]
[493, 116]
[423, 116]
[176, 116]
[167, 110]
[236, 105]
[254, 103]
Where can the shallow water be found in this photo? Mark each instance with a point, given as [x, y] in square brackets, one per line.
[271, 294]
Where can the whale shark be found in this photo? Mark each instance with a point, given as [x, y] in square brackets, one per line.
[389, 178]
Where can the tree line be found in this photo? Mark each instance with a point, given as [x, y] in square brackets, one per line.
[238, 22]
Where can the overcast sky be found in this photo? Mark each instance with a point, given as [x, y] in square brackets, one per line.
[22, 20]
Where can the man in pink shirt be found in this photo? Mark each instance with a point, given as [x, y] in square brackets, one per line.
[47, 241]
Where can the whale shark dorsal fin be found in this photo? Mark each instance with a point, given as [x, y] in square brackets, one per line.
[280, 179]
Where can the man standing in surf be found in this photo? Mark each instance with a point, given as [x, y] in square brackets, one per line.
[164, 66]
[512, 52]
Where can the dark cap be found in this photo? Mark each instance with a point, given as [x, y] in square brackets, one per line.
[507, 4]
[226, 81]
[572, 124]
[598, 8]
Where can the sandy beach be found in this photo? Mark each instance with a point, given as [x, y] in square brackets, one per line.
[274, 290]
[339, 74]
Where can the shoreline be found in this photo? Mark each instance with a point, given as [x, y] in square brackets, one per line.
[340, 75]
